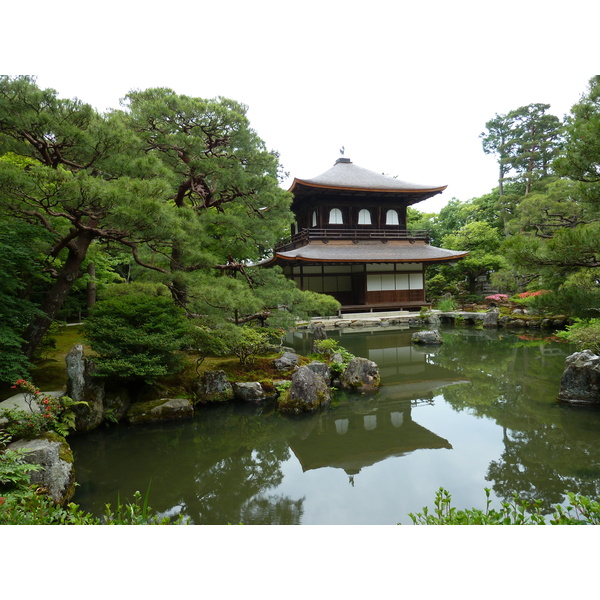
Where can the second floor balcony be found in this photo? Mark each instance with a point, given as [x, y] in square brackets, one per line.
[305, 236]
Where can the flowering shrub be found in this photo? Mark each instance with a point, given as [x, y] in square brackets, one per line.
[46, 413]
[528, 298]
[525, 295]
[497, 298]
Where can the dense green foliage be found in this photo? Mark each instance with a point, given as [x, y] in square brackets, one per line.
[136, 334]
[17, 283]
[171, 189]
[540, 228]
[580, 511]
[584, 334]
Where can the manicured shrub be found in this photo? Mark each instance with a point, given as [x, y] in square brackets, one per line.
[137, 335]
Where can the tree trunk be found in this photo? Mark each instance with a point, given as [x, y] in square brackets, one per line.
[178, 286]
[58, 293]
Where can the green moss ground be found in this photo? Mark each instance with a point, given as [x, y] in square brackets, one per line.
[50, 373]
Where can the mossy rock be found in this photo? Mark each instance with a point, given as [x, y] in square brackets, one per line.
[308, 393]
[53, 453]
[164, 409]
[213, 387]
[360, 375]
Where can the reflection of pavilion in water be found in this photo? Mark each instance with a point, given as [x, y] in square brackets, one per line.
[399, 361]
[367, 430]
[362, 433]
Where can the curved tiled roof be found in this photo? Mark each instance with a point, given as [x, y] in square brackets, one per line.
[346, 175]
[367, 252]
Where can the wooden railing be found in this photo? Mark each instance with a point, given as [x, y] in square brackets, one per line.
[307, 235]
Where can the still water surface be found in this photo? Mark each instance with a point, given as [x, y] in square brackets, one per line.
[479, 411]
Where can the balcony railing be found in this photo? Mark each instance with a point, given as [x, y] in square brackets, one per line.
[307, 235]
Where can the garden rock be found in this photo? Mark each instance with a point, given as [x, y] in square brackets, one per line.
[320, 368]
[516, 323]
[249, 391]
[308, 393]
[84, 386]
[343, 323]
[287, 360]
[213, 386]
[318, 335]
[337, 358]
[580, 381]
[57, 476]
[361, 375]
[431, 337]
[490, 318]
[433, 320]
[165, 409]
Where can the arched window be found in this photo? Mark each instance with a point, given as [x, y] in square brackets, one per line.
[314, 219]
[391, 217]
[335, 217]
[364, 217]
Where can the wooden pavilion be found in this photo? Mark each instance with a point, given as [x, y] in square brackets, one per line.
[350, 239]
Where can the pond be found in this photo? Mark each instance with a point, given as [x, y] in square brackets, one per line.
[478, 411]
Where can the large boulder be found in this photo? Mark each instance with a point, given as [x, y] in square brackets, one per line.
[249, 391]
[360, 375]
[288, 360]
[213, 386]
[431, 337]
[57, 477]
[490, 318]
[165, 409]
[102, 403]
[580, 381]
[308, 393]
[82, 387]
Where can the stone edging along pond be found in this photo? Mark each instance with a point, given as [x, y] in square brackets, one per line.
[489, 318]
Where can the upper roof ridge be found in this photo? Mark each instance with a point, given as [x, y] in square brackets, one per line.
[346, 175]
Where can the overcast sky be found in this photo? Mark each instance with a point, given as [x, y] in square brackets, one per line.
[405, 87]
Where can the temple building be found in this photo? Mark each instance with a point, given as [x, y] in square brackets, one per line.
[350, 239]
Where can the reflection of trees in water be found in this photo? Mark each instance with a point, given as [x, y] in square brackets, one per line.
[231, 487]
[549, 449]
[272, 510]
[540, 464]
[238, 455]
[217, 468]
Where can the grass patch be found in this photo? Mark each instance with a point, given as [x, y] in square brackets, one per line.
[50, 371]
